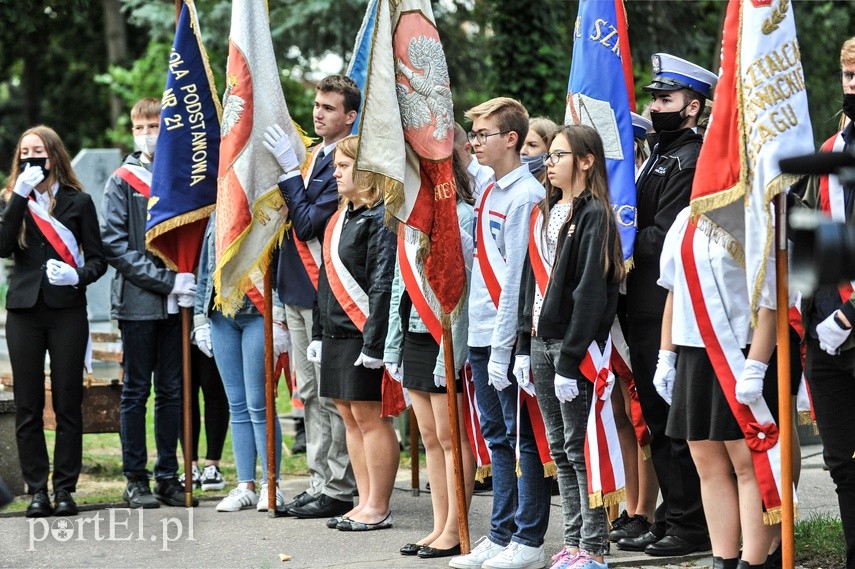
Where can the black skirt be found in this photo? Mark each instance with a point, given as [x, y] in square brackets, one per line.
[340, 379]
[699, 409]
[419, 361]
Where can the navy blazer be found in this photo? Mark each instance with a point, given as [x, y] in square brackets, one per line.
[309, 209]
[76, 211]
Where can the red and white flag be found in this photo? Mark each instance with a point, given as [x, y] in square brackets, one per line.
[250, 207]
[407, 136]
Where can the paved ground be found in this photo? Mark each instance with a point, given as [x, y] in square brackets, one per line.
[168, 537]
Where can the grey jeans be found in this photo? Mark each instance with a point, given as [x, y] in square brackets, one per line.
[566, 423]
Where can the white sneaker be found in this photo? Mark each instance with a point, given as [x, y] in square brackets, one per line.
[517, 556]
[484, 549]
[238, 499]
[212, 478]
[262, 498]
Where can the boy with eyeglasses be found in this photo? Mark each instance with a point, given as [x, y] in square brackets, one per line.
[520, 504]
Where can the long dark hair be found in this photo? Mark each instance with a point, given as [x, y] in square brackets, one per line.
[584, 141]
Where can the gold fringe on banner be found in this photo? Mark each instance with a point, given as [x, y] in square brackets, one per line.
[805, 418]
[550, 469]
[597, 500]
[483, 472]
[169, 225]
[719, 235]
[646, 453]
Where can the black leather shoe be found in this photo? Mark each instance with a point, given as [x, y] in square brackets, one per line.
[428, 552]
[673, 545]
[634, 526]
[299, 501]
[40, 505]
[410, 548]
[323, 507]
[639, 543]
[64, 504]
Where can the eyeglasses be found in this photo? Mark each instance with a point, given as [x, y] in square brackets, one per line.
[482, 136]
[847, 76]
[553, 158]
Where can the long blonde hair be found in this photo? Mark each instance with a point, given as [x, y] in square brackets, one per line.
[372, 191]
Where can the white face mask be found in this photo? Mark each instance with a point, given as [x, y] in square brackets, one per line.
[145, 143]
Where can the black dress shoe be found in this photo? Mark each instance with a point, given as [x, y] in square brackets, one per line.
[64, 504]
[410, 548]
[634, 526]
[40, 505]
[299, 501]
[323, 507]
[639, 543]
[673, 545]
[428, 552]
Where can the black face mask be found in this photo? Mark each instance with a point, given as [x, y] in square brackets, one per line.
[30, 162]
[849, 105]
[667, 121]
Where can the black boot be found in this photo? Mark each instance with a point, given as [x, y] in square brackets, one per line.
[299, 437]
[719, 563]
[746, 565]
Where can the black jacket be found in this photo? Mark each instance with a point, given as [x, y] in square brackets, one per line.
[367, 250]
[76, 211]
[580, 302]
[662, 192]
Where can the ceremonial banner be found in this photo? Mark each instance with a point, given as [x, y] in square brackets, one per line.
[250, 207]
[407, 129]
[601, 94]
[184, 176]
[357, 69]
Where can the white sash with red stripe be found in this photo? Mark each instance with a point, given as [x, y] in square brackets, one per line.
[347, 291]
[472, 417]
[490, 260]
[137, 177]
[622, 366]
[65, 244]
[831, 200]
[310, 251]
[420, 293]
[727, 359]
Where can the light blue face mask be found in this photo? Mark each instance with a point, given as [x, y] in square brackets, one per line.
[536, 164]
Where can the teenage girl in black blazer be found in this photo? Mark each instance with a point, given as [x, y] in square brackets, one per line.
[50, 229]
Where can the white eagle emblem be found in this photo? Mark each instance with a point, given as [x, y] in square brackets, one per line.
[429, 98]
[232, 107]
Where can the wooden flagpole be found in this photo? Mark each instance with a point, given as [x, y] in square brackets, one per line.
[785, 404]
[454, 425]
[269, 389]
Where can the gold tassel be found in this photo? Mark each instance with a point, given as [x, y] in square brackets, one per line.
[519, 470]
[550, 469]
[646, 453]
[629, 264]
[483, 472]
[773, 516]
[805, 418]
[595, 500]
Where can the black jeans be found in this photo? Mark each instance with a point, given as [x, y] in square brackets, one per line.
[204, 375]
[832, 388]
[151, 347]
[681, 512]
[63, 333]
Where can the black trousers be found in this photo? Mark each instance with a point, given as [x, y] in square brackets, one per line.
[832, 387]
[205, 376]
[681, 512]
[63, 333]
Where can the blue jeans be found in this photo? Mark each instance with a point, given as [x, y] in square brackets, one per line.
[566, 423]
[239, 352]
[151, 347]
[520, 505]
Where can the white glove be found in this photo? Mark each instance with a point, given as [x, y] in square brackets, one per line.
[27, 180]
[278, 144]
[522, 371]
[831, 335]
[749, 384]
[497, 373]
[281, 340]
[663, 378]
[185, 300]
[610, 385]
[185, 285]
[313, 352]
[368, 361]
[566, 389]
[202, 337]
[439, 380]
[395, 371]
[61, 274]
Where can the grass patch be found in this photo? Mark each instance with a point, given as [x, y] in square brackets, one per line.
[820, 543]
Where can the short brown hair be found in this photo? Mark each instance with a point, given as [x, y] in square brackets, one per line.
[344, 85]
[146, 107]
[847, 52]
[510, 115]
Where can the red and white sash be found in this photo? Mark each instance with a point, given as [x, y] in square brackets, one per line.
[472, 417]
[622, 366]
[347, 291]
[804, 404]
[65, 244]
[831, 199]
[606, 478]
[490, 259]
[417, 289]
[310, 251]
[137, 177]
[756, 421]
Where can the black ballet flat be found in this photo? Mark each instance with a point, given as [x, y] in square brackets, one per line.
[428, 552]
[411, 549]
